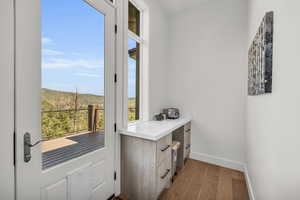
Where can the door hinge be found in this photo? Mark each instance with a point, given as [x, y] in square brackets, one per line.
[115, 127]
[115, 175]
[14, 146]
[116, 78]
[116, 28]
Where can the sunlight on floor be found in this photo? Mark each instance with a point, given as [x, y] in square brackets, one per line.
[56, 144]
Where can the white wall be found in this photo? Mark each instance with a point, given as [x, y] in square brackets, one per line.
[157, 57]
[207, 76]
[273, 128]
[6, 100]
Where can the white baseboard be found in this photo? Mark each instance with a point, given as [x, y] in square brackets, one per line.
[249, 185]
[223, 162]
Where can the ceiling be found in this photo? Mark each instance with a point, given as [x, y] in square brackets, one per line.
[174, 6]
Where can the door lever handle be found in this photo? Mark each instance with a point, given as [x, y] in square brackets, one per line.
[32, 145]
[28, 146]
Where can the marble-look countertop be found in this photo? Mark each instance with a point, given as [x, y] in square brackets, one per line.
[154, 130]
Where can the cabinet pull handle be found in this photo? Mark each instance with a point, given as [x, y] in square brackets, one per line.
[165, 148]
[166, 174]
[188, 146]
[188, 130]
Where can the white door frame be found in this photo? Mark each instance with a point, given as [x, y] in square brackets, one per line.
[29, 36]
[7, 99]
[7, 79]
[121, 94]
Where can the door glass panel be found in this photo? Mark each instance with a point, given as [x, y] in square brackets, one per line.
[133, 19]
[72, 80]
[133, 79]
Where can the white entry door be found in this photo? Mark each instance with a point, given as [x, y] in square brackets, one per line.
[64, 95]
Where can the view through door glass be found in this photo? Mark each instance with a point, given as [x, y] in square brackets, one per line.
[72, 80]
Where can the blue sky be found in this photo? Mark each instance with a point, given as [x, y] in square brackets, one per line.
[73, 48]
[131, 70]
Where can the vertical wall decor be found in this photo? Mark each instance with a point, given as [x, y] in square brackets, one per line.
[260, 58]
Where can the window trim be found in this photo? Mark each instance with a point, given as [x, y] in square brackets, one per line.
[144, 54]
[135, 37]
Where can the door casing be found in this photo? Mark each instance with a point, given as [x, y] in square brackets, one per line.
[7, 99]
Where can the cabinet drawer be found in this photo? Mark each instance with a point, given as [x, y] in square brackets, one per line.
[163, 175]
[163, 148]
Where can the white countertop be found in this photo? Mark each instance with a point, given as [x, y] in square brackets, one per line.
[154, 130]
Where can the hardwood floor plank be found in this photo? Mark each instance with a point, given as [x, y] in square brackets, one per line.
[181, 183]
[237, 175]
[209, 189]
[202, 181]
[193, 189]
[239, 189]
[225, 185]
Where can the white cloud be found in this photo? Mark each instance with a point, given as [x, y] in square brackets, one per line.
[88, 75]
[46, 40]
[50, 52]
[69, 63]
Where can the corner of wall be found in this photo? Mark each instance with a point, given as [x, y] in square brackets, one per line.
[249, 185]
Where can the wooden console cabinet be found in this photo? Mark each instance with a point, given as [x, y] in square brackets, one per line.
[146, 164]
[146, 167]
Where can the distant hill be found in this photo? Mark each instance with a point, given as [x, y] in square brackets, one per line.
[59, 124]
[66, 100]
[54, 99]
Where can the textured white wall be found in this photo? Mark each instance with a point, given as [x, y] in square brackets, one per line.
[273, 128]
[207, 75]
[158, 44]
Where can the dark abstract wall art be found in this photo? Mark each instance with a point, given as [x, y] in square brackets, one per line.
[260, 58]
